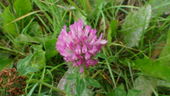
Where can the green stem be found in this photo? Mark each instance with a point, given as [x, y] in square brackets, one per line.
[13, 51]
[110, 70]
[49, 86]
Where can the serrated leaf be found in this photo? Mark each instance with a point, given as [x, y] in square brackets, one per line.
[135, 25]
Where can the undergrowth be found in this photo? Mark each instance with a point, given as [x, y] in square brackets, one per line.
[134, 62]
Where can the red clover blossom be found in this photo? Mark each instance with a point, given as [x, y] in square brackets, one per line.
[79, 45]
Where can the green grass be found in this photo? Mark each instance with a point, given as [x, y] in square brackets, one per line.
[135, 61]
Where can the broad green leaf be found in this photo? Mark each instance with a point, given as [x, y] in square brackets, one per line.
[33, 62]
[135, 25]
[80, 86]
[165, 54]
[50, 47]
[38, 60]
[119, 91]
[92, 82]
[72, 76]
[133, 92]
[160, 7]
[87, 92]
[24, 38]
[144, 85]
[4, 61]
[35, 29]
[67, 88]
[153, 68]
[22, 7]
[24, 66]
[8, 28]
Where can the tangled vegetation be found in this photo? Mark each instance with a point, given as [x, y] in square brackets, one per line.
[135, 61]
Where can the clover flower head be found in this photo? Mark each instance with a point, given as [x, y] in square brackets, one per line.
[79, 45]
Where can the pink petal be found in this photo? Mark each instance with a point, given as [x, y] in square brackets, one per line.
[87, 30]
[84, 49]
[78, 49]
[87, 56]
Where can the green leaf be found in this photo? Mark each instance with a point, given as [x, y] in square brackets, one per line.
[35, 29]
[38, 60]
[93, 82]
[33, 62]
[9, 28]
[153, 68]
[67, 88]
[71, 76]
[119, 91]
[135, 25]
[101, 55]
[160, 6]
[22, 7]
[25, 38]
[50, 47]
[32, 90]
[86, 5]
[24, 67]
[165, 54]
[80, 87]
[144, 86]
[4, 61]
[133, 92]
[112, 31]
